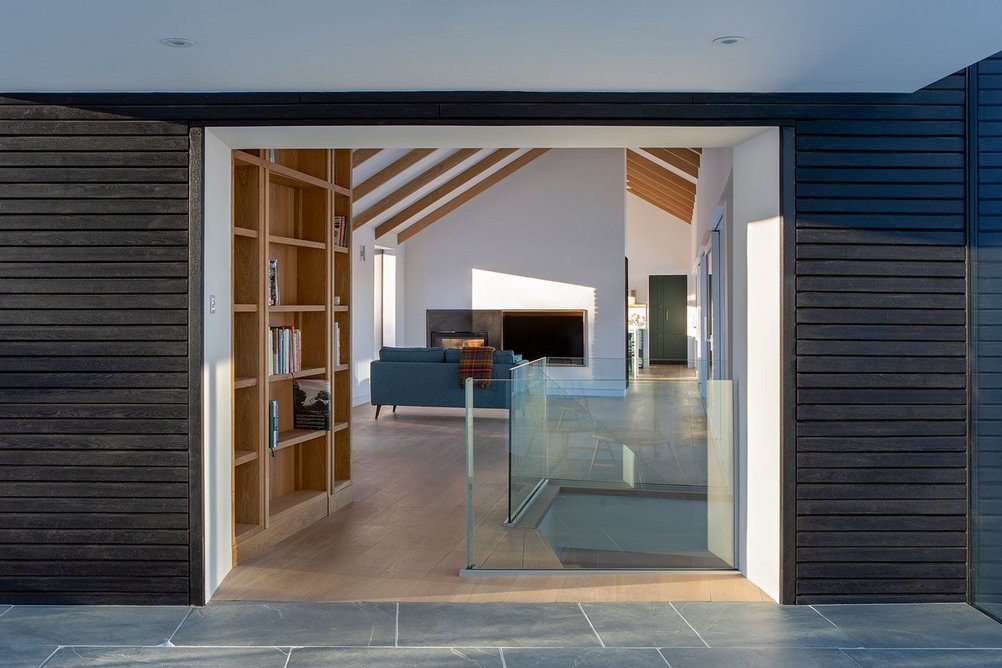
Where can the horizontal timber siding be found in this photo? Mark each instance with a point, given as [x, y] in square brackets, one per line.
[881, 309]
[877, 507]
[94, 402]
[986, 289]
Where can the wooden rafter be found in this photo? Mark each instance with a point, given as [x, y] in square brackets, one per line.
[662, 192]
[634, 174]
[653, 200]
[682, 184]
[654, 197]
[660, 186]
[390, 171]
[638, 172]
[412, 186]
[360, 155]
[470, 193]
[682, 159]
[438, 193]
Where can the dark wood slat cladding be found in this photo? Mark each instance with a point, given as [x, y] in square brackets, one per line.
[881, 356]
[94, 400]
[986, 350]
[875, 435]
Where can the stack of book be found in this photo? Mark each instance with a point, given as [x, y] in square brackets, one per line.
[340, 231]
[285, 350]
[311, 404]
[274, 295]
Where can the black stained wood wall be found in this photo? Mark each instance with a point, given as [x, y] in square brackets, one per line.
[94, 478]
[986, 334]
[881, 337]
[876, 508]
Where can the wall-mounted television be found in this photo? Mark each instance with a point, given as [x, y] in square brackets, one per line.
[559, 335]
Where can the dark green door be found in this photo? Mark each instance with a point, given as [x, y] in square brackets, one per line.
[667, 318]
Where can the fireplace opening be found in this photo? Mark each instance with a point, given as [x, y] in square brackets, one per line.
[453, 339]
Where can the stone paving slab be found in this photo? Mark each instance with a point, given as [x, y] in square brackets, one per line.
[776, 657]
[923, 658]
[916, 625]
[584, 657]
[390, 657]
[641, 625]
[169, 657]
[14, 654]
[285, 624]
[494, 625]
[91, 625]
[29, 634]
[762, 625]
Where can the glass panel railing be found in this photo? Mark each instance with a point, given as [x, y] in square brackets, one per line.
[603, 472]
[528, 434]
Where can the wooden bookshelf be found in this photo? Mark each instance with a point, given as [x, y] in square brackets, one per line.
[284, 204]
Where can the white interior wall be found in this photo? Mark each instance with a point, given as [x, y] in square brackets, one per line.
[714, 172]
[756, 323]
[551, 235]
[657, 243]
[712, 191]
[363, 315]
[401, 295]
[217, 369]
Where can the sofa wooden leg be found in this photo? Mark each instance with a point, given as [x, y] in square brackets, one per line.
[394, 409]
[378, 406]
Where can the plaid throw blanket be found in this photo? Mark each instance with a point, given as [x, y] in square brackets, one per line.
[476, 362]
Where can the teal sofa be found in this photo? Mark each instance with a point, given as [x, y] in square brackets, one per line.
[430, 377]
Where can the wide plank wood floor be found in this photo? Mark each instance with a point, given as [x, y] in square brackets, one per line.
[403, 538]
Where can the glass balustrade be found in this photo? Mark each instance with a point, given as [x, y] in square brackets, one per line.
[589, 469]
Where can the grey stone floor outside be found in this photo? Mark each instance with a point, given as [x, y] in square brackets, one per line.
[621, 635]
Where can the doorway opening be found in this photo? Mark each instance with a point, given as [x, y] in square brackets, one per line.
[408, 468]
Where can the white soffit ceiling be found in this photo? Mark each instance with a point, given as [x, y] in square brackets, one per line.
[482, 136]
[524, 45]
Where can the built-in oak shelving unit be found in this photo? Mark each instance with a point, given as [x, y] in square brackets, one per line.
[284, 205]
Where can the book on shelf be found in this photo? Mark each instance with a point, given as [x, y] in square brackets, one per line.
[340, 231]
[274, 295]
[311, 404]
[272, 425]
[285, 350]
[337, 344]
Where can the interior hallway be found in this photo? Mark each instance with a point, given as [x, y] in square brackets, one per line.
[403, 539]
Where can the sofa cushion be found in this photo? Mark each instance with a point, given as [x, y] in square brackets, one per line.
[505, 357]
[412, 354]
[452, 355]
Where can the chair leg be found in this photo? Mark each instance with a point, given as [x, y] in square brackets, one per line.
[378, 406]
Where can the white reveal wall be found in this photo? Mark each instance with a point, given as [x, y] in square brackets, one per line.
[657, 244]
[217, 365]
[757, 362]
[551, 235]
[363, 316]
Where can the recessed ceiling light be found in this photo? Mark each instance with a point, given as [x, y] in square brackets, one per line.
[177, 42]
[730, 40]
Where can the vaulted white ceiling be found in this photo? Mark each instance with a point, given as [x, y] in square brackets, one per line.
[400, 192]
[530, 45]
